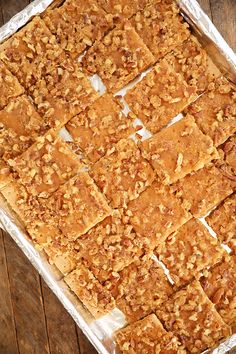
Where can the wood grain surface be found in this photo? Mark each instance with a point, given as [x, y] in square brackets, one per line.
[32, 320]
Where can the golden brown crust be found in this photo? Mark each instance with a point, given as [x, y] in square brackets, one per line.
[160, 96]
[223, 220]
[123, 173]
[88, 289]
[203, 190]
[148, 336]
[118, 58]
[100, 127]
[192, 317]
[189, 251]
[156, 214]
[215, 111]
[178, 150]
[139, 288]
[220, 286]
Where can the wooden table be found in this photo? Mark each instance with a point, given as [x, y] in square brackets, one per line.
[31, 318]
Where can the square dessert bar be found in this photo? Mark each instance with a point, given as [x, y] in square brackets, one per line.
[100, 127]
[77, 24]
[190, 59]
[223, 220]
[220, 287]
[148, 336]
[215, 111]
[31, 52]
[192, 317]
[93, 295]
[62, 93]
[122, 174]
[40, 222]
[79, 206]
[9, 86]
[203, 190]
[160, 96]
[161, 27]
[178, 150]
[156, 214]
[188, 251]
[20, 124]
[139, 288]
[111, 246]
[118, 58]
[46, 165]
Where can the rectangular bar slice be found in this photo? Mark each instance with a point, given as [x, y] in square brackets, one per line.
[9, 86]
[20, 124]
[203, 190]
[188, 251]
[227, 161]
[161, 27]
[160, 96]
[215, 111]
[118, 58]
[156, 214]
[192, 317]
[123, 173]
[223, 221]
[178, 150]
[147, 336]
[192, 61]
[62, 93]
[139, 288]
[100, 127]
[46, 165]
[79, 205]
[220, 287]
[32, 52]
[93, 295]
[111, 246]
[77, 25]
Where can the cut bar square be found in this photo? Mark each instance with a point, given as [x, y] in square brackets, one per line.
[188, 251]
[148, 336]
[156, 214]
[118, 58]
[9, 86]
[203, 190]
[161, 27]
[100, 127]
[223, 220]
[215, 111]
[160, 96]
[20, 124]
[220, 287]
[62, 93]
[111, 246]
[178, 150]
[77, 25]
[123, 173]
[139, 288]
[46, 165]
[79, 206]
[88, 289]
[31, 52]
[192, 317]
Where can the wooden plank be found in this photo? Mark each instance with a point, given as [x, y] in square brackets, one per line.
[61, 327]
[10, 8]
[224, 17]
[84, 344]
[8, 341]
[206, 6]
[27, 301]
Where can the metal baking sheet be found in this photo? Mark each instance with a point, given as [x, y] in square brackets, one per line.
[99, 332]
